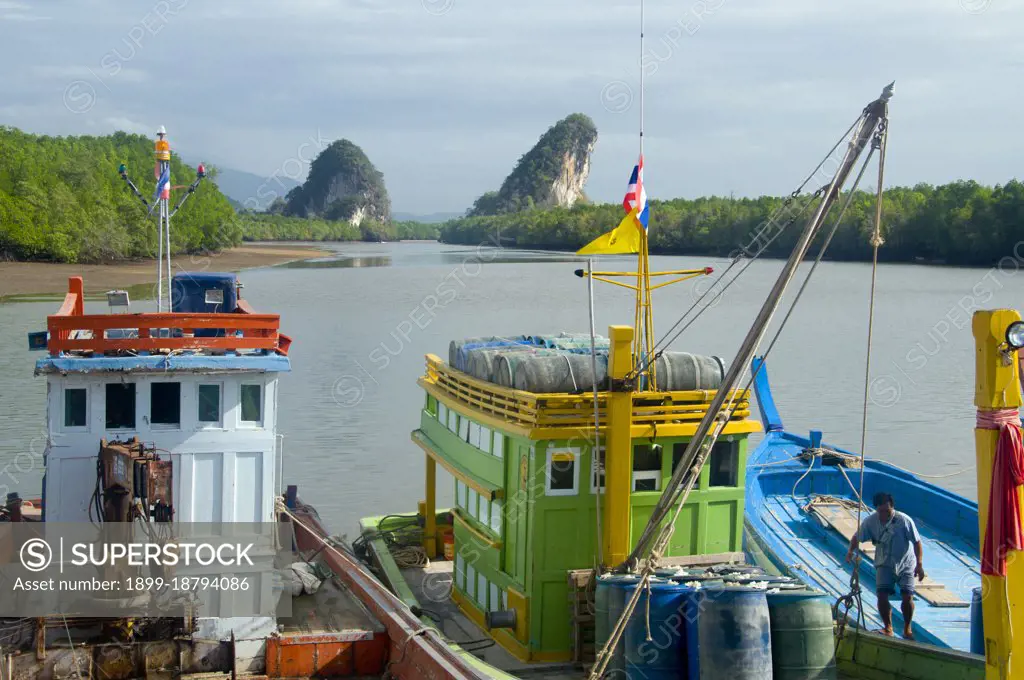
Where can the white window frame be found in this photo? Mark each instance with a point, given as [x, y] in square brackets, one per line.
[219, 423]
[88, 409]
[644, 475]
[472, 503]
[453, 421]
[442, 413]
[574, 491]
[499, 445]
[474, 434]
[485, 439]
[464, 428]
[461, 492]
[252, 424]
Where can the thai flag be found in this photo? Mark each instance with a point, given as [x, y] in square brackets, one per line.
[163, 183]
[636, 195]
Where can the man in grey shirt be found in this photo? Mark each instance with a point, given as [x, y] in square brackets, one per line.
[898, 558]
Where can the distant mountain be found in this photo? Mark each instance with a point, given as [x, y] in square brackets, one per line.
[551, 174]
[432, 218]
[342, 185]
[249, 190]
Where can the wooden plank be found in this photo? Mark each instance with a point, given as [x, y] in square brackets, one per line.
[844, 521]
[704, 560]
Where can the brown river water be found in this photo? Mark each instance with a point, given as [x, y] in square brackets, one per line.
[363, 319]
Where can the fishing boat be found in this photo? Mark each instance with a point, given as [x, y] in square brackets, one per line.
[577, 461]
[802, 510]
[161, 432]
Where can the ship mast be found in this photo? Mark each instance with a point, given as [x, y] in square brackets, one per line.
[643, 341]
[161, 202]
[642, 376]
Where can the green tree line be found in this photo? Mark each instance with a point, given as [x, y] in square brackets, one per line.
[962, 223]
[270, 227]
[62, 199]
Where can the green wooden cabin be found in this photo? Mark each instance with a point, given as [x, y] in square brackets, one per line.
[525, 510]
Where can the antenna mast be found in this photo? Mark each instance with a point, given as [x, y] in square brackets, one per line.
[162, 202]
[643, 341]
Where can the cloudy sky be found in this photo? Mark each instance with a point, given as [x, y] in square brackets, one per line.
[742, 96]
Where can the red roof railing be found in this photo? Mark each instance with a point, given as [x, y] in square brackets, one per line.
[72, 330]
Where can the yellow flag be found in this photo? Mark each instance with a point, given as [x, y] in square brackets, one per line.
[624, 238]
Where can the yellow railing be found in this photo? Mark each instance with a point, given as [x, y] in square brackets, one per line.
[530, 410]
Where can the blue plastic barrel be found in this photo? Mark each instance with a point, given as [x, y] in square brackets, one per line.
[609, 601]
[977, 624]
[728, 633]
[663, 657]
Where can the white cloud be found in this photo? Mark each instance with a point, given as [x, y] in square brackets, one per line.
[744, 95]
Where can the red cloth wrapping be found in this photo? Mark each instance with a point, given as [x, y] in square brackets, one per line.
[1004, 531]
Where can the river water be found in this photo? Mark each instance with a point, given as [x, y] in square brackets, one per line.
[363, 319]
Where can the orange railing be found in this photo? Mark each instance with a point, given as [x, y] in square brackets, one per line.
[70, 329]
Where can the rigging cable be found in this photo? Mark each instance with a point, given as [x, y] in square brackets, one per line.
[878, 143]
[744, 251]
[697, 457]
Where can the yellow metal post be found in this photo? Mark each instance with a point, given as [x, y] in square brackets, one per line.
[618, 450]
[430, 510]
[997, 386]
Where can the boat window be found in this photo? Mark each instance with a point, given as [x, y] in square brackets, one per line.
[471, 506]
[495, 600]
[598, 473]
[474, 435]
[464, 429]
[646, 467]
[499, 445]
[120, 406]
[165, 403]
[252, 403]
[209, 404]
[442, 414]
[484, 515]
[460, 571]
[725, 464]
[678, 449]
[453, 421]
[485, 440]
[431, 405]
[470, 579]
[481, 591]
[460, 494]
[496, 515]
[561, 477]
[76, 407]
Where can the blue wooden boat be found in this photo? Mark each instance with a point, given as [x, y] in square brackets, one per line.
[801, 511]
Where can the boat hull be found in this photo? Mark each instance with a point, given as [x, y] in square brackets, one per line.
[800, 513]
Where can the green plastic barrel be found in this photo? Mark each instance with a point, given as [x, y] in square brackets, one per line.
[803, 645]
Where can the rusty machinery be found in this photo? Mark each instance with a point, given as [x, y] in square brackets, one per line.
[132, 483]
